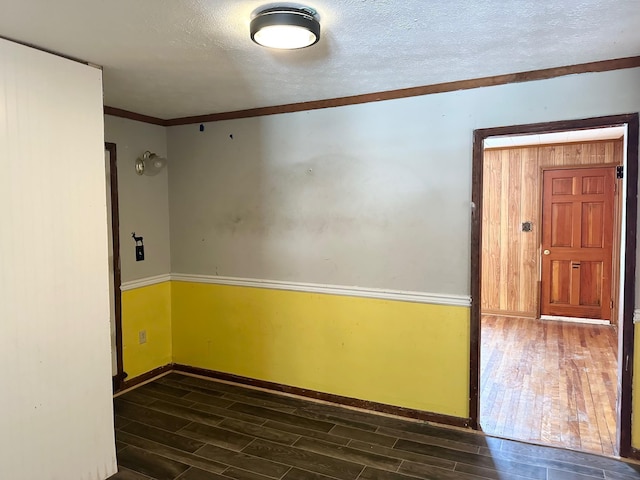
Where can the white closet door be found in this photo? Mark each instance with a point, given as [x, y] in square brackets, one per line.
[57, 418]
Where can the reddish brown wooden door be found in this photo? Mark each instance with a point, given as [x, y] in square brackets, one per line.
[577, 240]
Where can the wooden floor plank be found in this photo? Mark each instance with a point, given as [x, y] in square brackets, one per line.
[155, 466]
[549, 382]
[301, 458]
[151, 446]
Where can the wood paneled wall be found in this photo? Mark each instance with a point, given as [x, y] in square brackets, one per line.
[511, 196]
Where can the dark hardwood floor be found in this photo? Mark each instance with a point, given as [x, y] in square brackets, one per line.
[186, 428]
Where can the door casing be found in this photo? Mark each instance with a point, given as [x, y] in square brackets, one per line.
[625, 365]
[120, 375]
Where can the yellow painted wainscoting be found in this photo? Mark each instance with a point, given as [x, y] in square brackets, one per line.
[400, 353]
[146, 308]
[635, 406]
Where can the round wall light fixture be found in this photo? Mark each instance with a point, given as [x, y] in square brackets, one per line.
[285, 28]
[150, 164]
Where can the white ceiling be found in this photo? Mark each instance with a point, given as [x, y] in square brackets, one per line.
[187, 57]
[572, 136]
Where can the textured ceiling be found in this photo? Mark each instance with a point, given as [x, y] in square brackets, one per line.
[187, 57]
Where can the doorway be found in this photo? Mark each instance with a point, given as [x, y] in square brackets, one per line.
[111, 177]
[591, 288]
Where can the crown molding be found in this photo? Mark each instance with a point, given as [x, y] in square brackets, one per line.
[119, 112]
[528, 76]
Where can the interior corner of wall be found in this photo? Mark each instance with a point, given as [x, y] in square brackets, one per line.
[171, 321]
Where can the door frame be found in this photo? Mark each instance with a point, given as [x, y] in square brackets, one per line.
[625, 368]
[120, 375]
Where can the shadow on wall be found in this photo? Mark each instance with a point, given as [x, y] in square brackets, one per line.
[351, 196]
[254, 202]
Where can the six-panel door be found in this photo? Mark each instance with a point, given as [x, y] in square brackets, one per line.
[577, 240]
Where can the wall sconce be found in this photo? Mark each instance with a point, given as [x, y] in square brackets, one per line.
[150, 164]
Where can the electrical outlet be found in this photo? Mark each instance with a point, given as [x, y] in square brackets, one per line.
[142, 336]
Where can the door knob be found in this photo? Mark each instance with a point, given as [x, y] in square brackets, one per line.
[546, 252]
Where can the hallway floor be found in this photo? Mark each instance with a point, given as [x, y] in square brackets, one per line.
[549, 382]
[186, 428]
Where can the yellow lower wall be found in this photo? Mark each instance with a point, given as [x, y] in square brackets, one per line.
[146, 308]
[405, 354]
[635, 407]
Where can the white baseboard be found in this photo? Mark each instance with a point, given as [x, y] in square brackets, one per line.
[592, 321]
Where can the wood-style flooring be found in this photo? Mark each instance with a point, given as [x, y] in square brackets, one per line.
[549, 382]
[186, 428]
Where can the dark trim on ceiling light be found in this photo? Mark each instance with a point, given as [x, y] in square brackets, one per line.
[303, 18]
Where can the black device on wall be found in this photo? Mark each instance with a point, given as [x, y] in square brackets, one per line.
[139, 247]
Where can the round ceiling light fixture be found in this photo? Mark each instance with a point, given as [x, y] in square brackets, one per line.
[285, 28]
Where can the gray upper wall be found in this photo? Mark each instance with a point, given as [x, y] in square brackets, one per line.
[374, 195]
[143, 201]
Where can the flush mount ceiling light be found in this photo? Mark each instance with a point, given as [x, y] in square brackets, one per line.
[285, 28]
[150, 164]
